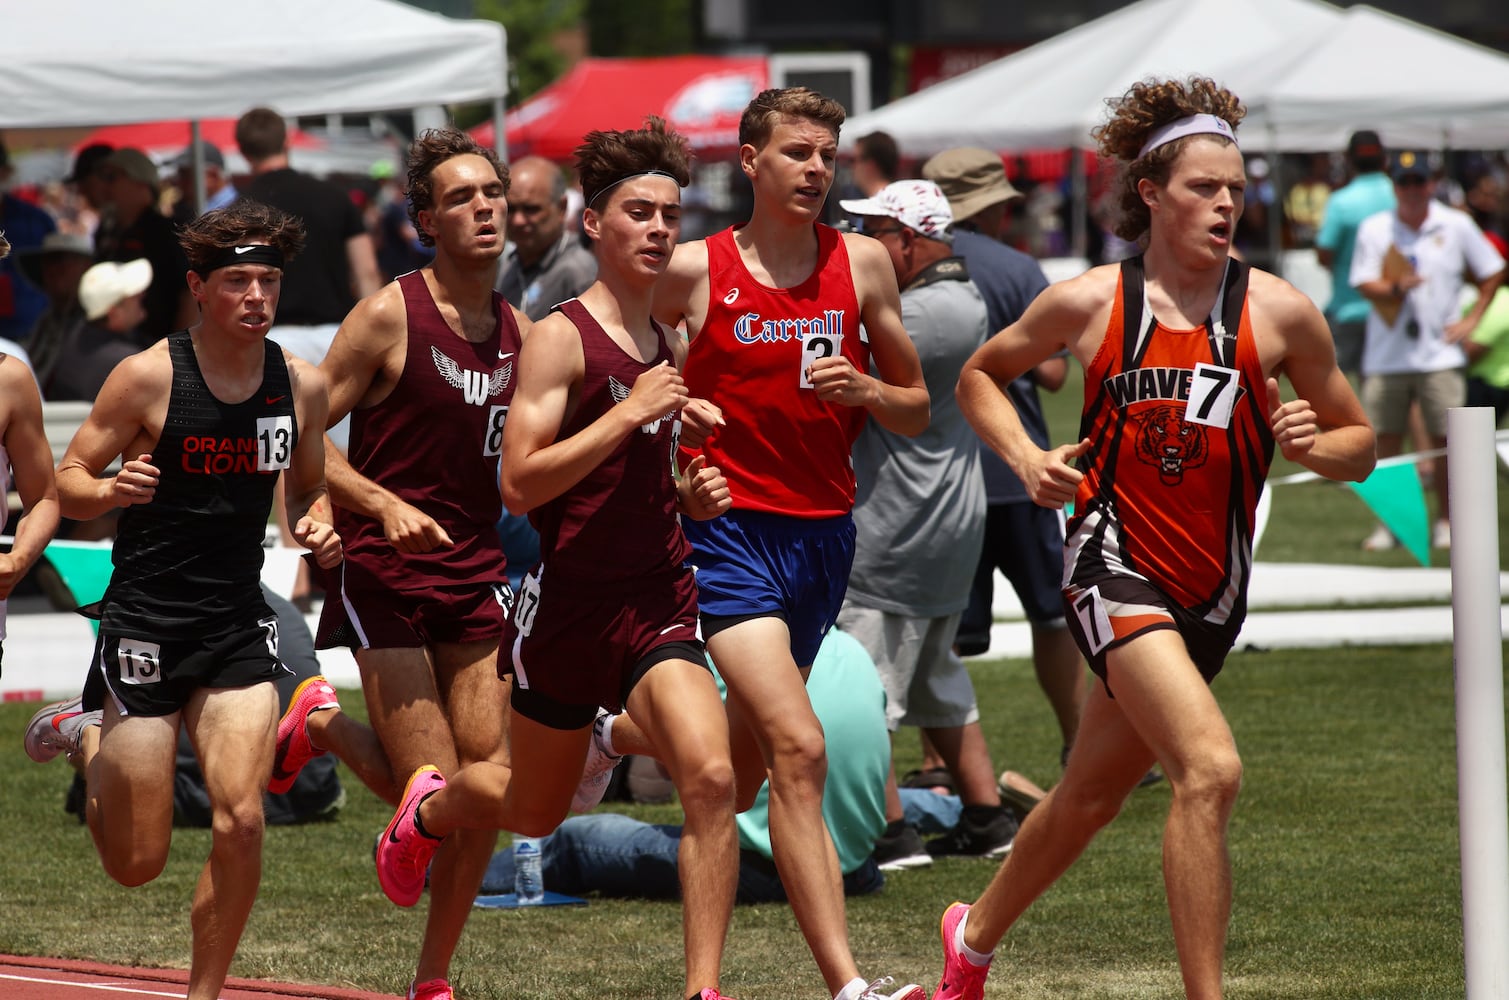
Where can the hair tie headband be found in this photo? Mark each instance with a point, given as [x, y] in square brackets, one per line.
[629, 177]
[1193, 125]
[256, 253]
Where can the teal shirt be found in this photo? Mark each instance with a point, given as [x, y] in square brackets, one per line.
[850, 703]
[1367, 194]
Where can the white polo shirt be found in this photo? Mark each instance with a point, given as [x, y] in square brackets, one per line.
[1445, 247]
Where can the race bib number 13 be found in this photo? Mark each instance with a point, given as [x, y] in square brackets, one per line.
[140, 661]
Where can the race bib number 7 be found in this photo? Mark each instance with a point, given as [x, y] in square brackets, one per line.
[1213, 393]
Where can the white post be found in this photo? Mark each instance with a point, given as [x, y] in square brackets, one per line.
[1479, 656]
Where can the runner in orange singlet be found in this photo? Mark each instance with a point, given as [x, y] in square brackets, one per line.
[1181, 349]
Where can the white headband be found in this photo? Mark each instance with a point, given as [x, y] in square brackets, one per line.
[1193, 125]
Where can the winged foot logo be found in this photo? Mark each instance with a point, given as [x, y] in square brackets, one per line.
[476, 387]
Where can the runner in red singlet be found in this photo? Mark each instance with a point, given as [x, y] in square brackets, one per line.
[774, 311]
[609, 616]
[1181, 348]
[426, 369]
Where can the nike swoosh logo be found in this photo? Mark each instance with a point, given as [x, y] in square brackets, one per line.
[501, 355]
[242, 250]
[269, 400]
[669, 628]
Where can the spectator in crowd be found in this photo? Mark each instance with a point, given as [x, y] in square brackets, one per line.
[1366, 193]
[138, 230]
[877, 162]
[548, 263]
[111, 297]
[914, 559]
[1305, 204]
[338, 265]
[399, 249]
[218, 189]
[1485, 203]
[26, 464]
[1409, 263]
[1488, 358]
[1022, 540]
[56, 267]
[85, 181]
[25, 226]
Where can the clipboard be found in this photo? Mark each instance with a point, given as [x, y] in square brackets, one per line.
[1395, 266]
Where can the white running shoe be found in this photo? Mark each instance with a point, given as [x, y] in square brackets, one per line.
[597, 772]
[59, 728]
[1381, 540]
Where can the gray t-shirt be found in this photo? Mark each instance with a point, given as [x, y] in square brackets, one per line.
[919, 511]
[565, 272]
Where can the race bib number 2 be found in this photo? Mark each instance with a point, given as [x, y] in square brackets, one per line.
[815, 346]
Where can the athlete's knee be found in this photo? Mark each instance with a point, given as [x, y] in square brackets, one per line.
[237, 828]
[1089, 806]
[706, 783]
[1213, 779]
[132, 863]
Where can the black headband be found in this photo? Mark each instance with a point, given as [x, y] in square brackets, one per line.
[256, 253]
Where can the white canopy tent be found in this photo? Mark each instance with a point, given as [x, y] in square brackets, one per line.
[1416, 86]
[83, 62]
[1052, 94]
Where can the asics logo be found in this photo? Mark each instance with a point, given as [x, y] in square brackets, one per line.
[731, 297]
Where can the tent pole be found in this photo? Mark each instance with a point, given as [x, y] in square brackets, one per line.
[1079, 204]
[500, 131]
[196, 148]
[1276, 210]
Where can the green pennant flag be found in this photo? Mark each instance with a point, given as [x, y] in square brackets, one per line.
[1393, 492]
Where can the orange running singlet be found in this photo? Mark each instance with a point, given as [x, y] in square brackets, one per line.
[1181, 445]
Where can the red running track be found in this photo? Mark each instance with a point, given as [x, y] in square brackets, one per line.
[66, 979]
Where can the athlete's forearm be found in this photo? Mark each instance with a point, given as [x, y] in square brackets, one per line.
[901, 409]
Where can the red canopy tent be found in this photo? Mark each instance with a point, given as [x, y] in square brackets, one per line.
[702, 97]
[168, 138]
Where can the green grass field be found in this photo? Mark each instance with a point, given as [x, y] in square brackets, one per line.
[1344, 845]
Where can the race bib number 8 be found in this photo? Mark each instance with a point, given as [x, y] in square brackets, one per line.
[140, 661]
[492, 445]
[274, 443]
[817, 345]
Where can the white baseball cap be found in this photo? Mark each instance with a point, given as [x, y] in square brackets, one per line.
[106, 284]
[918, 205]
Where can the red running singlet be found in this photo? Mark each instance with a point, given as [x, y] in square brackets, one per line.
[782, 450]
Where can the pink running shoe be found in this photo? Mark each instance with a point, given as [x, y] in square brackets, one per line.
[431, 989]
[403, 853]
[295, 749]
[962, 979]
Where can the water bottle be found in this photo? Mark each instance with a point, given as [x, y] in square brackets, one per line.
[528, 871]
